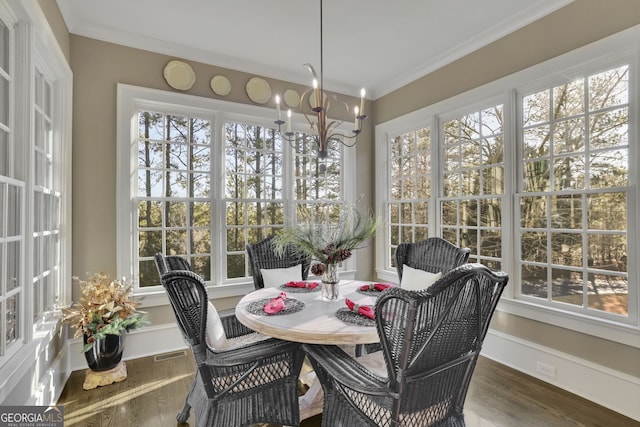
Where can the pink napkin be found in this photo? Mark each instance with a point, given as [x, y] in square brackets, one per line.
[362, 310]
[376, 287]
[276, 304]
[308, 285]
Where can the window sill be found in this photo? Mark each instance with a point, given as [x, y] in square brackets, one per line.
[606, 329]
[158, 297]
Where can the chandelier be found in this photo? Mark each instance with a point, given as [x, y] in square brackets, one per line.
[323, 129]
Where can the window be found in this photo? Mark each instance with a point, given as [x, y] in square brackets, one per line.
[535, 174]
[473, 184]
[46, 201]
[409, 191]
[575, 193]
[35, 152]
[209, 178]
[12, 193]
[172, 198]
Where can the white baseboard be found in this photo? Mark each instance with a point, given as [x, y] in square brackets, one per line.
[607, 387]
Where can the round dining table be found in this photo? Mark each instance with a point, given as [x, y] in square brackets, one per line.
[316, 322]
[312, 321]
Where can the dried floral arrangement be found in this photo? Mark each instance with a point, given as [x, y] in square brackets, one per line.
[328, 233]
[106, 307]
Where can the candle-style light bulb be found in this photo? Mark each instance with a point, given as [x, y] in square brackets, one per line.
[316, 90]
[355, 120]
[362, 94]
[289, 120]
[278, 105]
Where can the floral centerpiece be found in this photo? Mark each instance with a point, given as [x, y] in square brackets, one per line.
[107, 307]
[329, 234]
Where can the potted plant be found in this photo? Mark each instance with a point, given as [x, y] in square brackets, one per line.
[328, 234]
[106, 310]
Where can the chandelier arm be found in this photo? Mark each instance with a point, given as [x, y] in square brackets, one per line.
[323, 129]
[311, 70]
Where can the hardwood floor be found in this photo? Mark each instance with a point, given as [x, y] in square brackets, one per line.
[155, 388]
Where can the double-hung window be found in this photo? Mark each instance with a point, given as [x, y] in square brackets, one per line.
[35, 184]
[12, 204]
[205, 177]
[471, 206]
[574, 193]
[408, 193]
[538, 175]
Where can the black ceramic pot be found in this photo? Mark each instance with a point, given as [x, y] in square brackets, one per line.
[106, 353]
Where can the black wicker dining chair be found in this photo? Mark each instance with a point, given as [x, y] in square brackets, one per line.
[240, 385]
[430, 344]
[433, 255]
[262, 255]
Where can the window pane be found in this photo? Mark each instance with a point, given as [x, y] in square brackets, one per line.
[568, 99]
[607, 211]
[12, 319]
[5, 159]
[534, 281]
[567, 286]
[533, 247]
[12, 276]
[177, 214]
[5, 41]
[236, 266]
[568, 136]
[14, 218]
[609, 169]
[566, 211]
[176, 242]
[148, 273]
[609, 129]
[535, 108]
[201, 212]
[4, 101]
[149, 213]
[150, 243]
[609, 88]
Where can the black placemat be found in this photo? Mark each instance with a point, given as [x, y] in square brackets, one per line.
[299, 290]
[348, 316]
[291, 305]
[370, 293]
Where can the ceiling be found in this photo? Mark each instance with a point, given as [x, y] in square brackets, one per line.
[377, 44]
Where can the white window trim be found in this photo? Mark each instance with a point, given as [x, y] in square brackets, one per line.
[130, 100]
[624, 45]
[36, 43]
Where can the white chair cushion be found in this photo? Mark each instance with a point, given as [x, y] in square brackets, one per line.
[214, 334]
[244, 341]
[416, 280]
[216, 338]
[273, 277]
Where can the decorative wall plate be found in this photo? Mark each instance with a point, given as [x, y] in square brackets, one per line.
[258, 90]
[220, 85]
[179, 75]
[291, 98]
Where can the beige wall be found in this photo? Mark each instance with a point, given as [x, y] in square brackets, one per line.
[575, 25]
[98, 67]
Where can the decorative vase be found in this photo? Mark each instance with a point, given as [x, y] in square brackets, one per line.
[330, 285]
[106, 352]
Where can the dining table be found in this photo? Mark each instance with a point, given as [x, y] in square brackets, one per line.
[308, 318]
